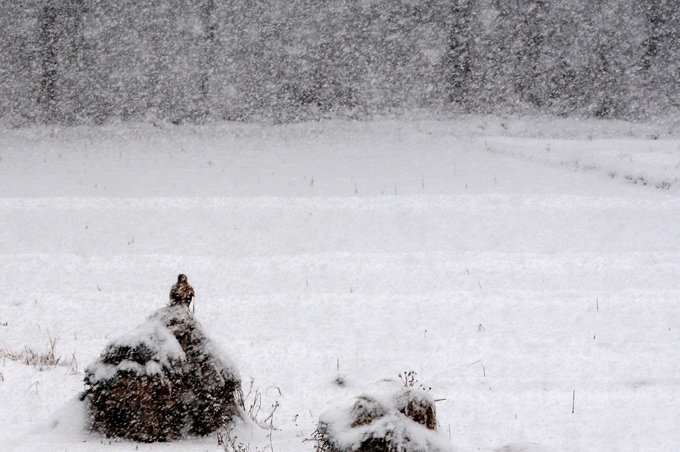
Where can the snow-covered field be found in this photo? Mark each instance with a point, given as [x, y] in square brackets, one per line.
[521, 268]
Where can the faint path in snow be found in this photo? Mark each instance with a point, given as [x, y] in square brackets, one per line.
[650, 163]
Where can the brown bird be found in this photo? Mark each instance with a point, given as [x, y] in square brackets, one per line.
[181, 292]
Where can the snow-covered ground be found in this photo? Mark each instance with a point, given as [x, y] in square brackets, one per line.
[522, 268]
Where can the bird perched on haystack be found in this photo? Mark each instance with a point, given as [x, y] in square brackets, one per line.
[181, 292]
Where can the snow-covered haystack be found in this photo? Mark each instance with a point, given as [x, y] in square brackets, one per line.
[387, 418]
[161, 381]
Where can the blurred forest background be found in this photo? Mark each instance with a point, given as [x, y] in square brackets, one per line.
[93, 61]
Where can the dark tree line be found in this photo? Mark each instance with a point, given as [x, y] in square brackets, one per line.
[74, 61]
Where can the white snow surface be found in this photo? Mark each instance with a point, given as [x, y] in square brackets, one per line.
[534, 291]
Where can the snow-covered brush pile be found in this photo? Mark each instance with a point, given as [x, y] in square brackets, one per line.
[389, 417]
[162, 381]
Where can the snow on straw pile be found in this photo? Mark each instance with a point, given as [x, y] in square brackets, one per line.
[162, 381]
[387, 418]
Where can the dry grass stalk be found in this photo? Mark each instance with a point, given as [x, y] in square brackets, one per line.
[41, 360]
[251, 404]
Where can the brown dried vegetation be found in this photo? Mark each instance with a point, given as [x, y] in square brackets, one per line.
[190, 396]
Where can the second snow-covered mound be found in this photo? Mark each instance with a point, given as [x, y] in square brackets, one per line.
[161, 381]
[387, 418]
